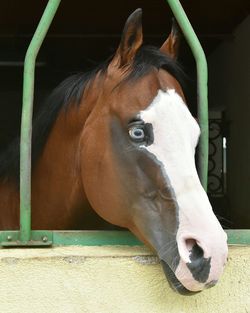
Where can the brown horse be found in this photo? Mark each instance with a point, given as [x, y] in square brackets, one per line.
[121, 140]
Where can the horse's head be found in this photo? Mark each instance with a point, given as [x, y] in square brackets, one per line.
[138, 165]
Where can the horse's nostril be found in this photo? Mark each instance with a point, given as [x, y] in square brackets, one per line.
[195, 251]
[190, 243]
[198, 265]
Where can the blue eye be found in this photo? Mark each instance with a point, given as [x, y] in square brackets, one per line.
[136, 133]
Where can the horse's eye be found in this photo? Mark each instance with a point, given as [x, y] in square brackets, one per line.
[136, 133]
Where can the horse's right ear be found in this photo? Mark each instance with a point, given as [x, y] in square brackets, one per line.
[171, 45]
[131, 41]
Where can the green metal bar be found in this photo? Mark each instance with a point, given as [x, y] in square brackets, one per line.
[238, 236]
[37, 239]
[96, 238]
[202, 77]
[26, 123]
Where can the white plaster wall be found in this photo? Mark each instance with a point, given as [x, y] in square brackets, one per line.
[111, 280]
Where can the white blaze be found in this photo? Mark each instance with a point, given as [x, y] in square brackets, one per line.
[176, 134]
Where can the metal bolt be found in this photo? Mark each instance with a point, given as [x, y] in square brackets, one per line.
[45, 239]
[9, 238]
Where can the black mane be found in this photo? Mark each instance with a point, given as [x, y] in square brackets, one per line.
[70, 92]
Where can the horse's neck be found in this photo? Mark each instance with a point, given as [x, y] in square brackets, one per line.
[9, 205]
[58, 198]
[57, 191]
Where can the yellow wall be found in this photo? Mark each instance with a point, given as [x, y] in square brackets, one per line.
[111, 280]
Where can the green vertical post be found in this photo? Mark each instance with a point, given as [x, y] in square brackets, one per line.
[202, 77]
[26, 122]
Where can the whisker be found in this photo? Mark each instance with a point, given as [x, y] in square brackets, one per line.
[223, 220]
[129, 149]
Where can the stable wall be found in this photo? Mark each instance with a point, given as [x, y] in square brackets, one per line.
[111, 280]
[229, 77]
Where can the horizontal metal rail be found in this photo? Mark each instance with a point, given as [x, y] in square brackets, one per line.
[96, 238]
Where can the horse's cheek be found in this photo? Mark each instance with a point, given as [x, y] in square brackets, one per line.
[99, 177]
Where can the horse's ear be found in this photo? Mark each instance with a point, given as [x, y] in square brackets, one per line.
[131, 40]
[171, 45]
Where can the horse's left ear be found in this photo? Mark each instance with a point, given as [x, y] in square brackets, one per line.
[171, 45]
[131, 40]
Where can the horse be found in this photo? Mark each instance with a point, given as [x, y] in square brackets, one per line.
[120, 141]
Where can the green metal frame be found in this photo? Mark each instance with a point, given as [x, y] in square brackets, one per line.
[96, 238]
[26, 123]
[27, 237]
[202, 78]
